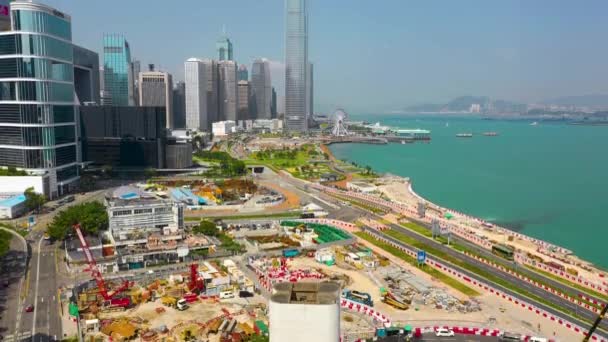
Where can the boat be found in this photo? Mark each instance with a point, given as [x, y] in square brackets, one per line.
[534, 123]
[447, 124]
[490, 134]
[464, 135]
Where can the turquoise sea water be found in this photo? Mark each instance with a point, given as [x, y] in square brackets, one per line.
[549, 181]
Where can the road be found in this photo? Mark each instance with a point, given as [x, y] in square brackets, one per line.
[13, 268]
[349, 213]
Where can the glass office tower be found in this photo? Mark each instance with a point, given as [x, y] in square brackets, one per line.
[118, 80]
[296, 64]
[37, 111]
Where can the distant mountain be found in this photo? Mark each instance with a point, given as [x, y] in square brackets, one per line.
[598, 100]
[463, 104]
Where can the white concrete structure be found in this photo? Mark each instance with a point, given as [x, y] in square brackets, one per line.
[223, 128]
[12, 206]
[134, 214]
[303, 312]
[196, 95]
[18, 184]
[361, 187]
[273, 125]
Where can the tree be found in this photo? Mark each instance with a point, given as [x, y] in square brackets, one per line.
[149, 172]
[368, 169]
[107, 170]
[92, 217]
[33, 200]
[206, 228]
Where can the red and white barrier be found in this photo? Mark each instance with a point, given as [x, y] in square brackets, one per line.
[492, 290]
[364, 309]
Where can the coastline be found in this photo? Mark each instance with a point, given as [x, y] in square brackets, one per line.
[588, 272]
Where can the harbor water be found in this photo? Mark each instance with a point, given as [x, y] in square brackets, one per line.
[549, 181]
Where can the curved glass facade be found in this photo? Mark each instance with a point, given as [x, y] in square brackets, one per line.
[42, 22]
[39, 91]
[36, 65]
[40, 68]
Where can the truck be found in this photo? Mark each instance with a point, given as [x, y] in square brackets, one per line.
[359, 297]
[291, 253]
[182, 304]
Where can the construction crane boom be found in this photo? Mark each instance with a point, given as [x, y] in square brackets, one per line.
[95, 273]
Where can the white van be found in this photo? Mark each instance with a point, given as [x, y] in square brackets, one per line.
[537, 339]
[226, 294]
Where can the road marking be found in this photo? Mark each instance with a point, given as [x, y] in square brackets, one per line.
[36, 291]
[42, 299]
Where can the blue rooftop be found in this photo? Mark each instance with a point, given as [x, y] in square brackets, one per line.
[12, 201]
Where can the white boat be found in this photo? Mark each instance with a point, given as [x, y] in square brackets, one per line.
[534, 123]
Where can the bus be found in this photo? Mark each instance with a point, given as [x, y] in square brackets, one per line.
[503, 251]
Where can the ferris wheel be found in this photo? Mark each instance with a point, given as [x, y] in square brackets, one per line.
[339, 123]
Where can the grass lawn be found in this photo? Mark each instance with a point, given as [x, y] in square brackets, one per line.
[412, 261]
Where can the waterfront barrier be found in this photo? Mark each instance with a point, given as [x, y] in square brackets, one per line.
[488, 288]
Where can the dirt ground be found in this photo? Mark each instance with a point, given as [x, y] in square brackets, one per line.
[199, 312]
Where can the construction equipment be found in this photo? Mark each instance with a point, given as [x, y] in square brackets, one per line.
[196, 284]
[359, 297]
[96, 274]
[393, 301]
[169, 301]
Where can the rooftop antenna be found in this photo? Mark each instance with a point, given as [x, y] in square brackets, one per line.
[224, 30]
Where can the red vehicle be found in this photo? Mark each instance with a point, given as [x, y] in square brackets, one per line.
[29, 308]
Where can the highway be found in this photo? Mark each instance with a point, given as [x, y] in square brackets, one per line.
[350, 213]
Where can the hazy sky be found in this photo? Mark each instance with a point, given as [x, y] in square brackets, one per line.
[378, 55]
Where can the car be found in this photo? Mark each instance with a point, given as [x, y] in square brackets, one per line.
[245, 294]
[444, 332]
[29, 308]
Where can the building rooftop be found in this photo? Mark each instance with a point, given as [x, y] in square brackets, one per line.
[306, 293]
[12, 201]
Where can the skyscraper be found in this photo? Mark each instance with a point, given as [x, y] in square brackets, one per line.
[261, 89]
[118, 73]
[156, 90]
[244, 95]
[38, 121]
[135, 70]
[179, 105]
[228, 90]
[196, 95]
[296, 65]
[273, 104]
[242, 73]
[310, 92]
[211, 88]
[224, 48]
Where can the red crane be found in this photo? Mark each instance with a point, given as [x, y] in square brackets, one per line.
[96, 274]
[196, 284]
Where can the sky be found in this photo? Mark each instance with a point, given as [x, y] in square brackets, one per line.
[377, 55]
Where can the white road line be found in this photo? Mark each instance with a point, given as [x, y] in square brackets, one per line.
[36, 291]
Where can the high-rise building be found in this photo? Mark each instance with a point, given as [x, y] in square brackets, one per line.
[118, 72]
[273, 104]
[310, 101]
[179, 105]
[196, 95]
[86, 75]
[242, 73]
[244, 97]
[316, 303]
[261, 88]
[135, 70]
[224, 48]
[38, 121]
[212, 83]
[296, 65]
[228, 91]
[156, 90]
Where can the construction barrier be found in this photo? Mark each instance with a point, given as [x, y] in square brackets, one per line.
[490, 289]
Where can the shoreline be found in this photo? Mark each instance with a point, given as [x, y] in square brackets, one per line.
[551, 249]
